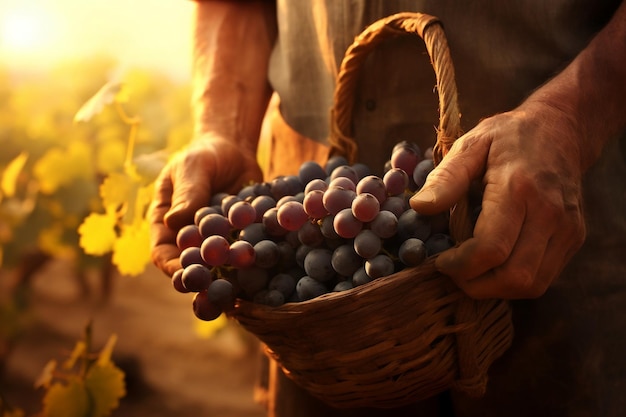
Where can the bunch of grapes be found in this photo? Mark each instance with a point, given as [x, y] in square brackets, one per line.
[297, 237]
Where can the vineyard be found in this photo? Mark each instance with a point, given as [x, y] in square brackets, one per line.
[87, 326]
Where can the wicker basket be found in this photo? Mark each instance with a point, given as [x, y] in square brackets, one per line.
[401, 338]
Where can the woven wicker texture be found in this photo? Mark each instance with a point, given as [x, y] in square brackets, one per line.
[401, 338]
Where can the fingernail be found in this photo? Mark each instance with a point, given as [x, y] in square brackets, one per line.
[424, 196]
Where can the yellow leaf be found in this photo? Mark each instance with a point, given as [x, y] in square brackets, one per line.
[97, 233]
[208, 329]
[11, 174]
[117, 189]
[111, 155]
[51, 170]
[104, 358]
[106, 95]
[106, 387]
[131, 251]
[79, 349]
[47, 374]
[71, 400]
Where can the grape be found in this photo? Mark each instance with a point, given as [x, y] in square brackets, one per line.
[286, 199]
[328, 229]
[241, 214]
[247, 192]
[360, 277]
[405, 158]
[421, 171]
[385, 224]
[294, 185]
[412, 252]
[310, 234]
[241, 254]
[308, 288]
[214, 250]
[365, 207]
[283, 282]
[216, 199]
[345, 260]
[379, 266]
[396, 205]
[335, 162]
[428, 153]
[286, 255]
[346, 225]
[214, 224]
[437, 243]
[227, 203]
[279, 188]
[221, 293]
[343, 286]
[191, 256]
[362, 170]
[318, 264]
[177, 281]
[267, 254]
[338, 198]
[373, 185]
[367, 244]
[253, 233]
[343, 182]
[412, 224]
[196, 277]
[205, 309]
[274, 298]
[188, 236]
[314, 204]
[292, 216]
[271, 225]
[301, 252]
[345, 171]
[396, 181]
[261, 204]
[203, 211]
[316, 185]
[310, 171]
[405, 144]
[252, 280]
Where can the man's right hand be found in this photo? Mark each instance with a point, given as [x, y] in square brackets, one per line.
[210, 165]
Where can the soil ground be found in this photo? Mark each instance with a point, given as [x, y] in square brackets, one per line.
[171, 370]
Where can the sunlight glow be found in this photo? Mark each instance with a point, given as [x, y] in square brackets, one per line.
[22, 30]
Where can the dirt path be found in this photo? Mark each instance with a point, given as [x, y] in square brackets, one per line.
[171, 370]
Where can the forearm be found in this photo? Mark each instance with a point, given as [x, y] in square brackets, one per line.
[232, 42]
[591, 91]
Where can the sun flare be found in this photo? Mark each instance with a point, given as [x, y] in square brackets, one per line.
[23, 31]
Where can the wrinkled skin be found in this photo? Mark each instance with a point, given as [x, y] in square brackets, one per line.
[531, 222]
[187, 183]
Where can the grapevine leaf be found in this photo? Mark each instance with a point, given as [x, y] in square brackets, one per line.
[106, 95]
[51, 170]
[97, 233]
[104, 358]
[45, 379]
[131, 251]
[11, 174]
[208, 329]
[79, 350]
[105, 383]
[116, 190]
[71, 400]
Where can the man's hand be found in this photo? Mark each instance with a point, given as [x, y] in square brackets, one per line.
[531, 222]
[187, 183]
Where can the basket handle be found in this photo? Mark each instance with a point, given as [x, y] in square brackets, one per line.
[430, 30]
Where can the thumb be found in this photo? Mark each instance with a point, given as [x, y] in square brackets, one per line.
[451, 179]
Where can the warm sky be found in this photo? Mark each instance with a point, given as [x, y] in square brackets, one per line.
[147, 33]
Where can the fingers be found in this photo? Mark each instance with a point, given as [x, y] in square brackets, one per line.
[451, 179]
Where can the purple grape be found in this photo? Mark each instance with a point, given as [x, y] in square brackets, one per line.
[310, 234]
[241, 254]
[271, 225]
[367, 244]
[292, 215]
[177, 281]
[188, 236]
[261, 204]
[314, 204]
[385, 224]
[203, 211]
[308, 288]
[412, 252]
[283, 282]
[343, 182]
[373, 185]
[196, 277]
[205, 309]
[396, 181]
[379, 266]
[241, 214]
[365, 207]
[252, 280]
[334, 162]
[421, 171]
[405, 158]
[227, 203]
[214, 250]
[345, 171]
[253, 233]
[343, 286]
[309, 171]
[221, 293]
[190, 256]
[316, 185]
[438, 243]
[214, 224]
[395, 204]
[360, 277]
[345, 260]
[318, 264]
[338, 198]
[346, 225]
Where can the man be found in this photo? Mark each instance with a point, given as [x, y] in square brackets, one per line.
[541, 89]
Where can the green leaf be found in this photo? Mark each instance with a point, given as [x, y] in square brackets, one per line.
[106, 387]
[11, 174]
[97, 233]
[67, 400]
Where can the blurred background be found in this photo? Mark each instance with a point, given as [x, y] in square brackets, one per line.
[94, 98]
